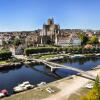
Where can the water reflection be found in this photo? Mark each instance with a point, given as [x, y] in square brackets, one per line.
[80, 61]
[46, 71]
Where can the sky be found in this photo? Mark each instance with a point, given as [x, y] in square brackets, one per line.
[29, 15]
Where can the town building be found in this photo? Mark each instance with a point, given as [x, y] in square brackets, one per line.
[89, 34]
[31, 40]
[98, 36]
[69, 40]
[1, 39]
[49, 32]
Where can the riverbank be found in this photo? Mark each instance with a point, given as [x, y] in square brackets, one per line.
[65, 87]
[10, 65]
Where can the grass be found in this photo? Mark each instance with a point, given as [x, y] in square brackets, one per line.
[44, 56]
[11, 60]
[35, 94]
[89, 54]
[3, 62]
[48, 56]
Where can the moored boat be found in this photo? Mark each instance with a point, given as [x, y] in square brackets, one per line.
[22, 87]
[3, 93]
[41, 84]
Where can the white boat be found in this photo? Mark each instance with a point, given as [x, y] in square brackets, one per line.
[19, 89]
[41, 84]
[26, 82]
[73, 56]
[2, 95]
[22, 87]
[77, 56]
[29, 86]
[98, 54]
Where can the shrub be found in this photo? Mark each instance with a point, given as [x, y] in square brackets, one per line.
[40, 50]
[5, 54]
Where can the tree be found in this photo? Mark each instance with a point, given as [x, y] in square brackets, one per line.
[17, 42]
[83, 38]
[4, 43]
[97, 86]
[5, 54]
[40, 50]
[93, 40]
[94, 94]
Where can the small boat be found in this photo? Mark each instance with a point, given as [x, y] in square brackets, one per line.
[3, 93]
[98, 54]
[19, 89]
[72, 56]
[26, 82]
[23, 84]
[22, 87]
[77, 56]
[41, 84]
[29, 86]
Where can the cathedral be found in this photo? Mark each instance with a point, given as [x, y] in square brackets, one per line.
[49, 32]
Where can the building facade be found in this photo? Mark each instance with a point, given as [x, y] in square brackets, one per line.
[49, 32]
[69, 40]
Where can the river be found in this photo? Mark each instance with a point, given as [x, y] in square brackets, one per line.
[37, 73]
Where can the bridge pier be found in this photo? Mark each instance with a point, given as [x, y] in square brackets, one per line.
[53, 69]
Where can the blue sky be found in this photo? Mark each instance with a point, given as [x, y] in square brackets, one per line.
[28, 15]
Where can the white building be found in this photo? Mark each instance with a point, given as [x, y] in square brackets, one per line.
[71, 40]
[1, 40]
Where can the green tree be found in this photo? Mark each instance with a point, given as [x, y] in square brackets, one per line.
[4, 43]
[83, 38]
[40, 50]
[97, 86]
[17, 42]
[93, 40]
[94, 94]
[5, 54]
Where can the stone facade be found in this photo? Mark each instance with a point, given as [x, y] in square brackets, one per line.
[49, 31]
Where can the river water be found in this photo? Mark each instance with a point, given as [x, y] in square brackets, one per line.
[37, 73]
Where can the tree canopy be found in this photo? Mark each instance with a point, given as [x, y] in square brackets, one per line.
[93, 40]
[16, 42]
[83, 38]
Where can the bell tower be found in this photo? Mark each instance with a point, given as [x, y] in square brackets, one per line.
[50, 21]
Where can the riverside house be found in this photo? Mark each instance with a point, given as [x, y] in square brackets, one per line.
[69, 40]
[98, 36]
